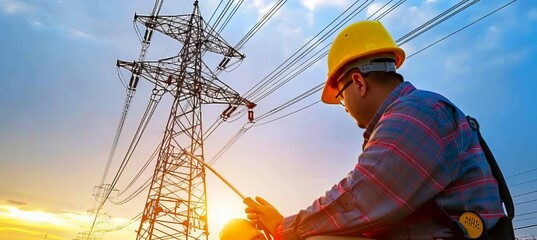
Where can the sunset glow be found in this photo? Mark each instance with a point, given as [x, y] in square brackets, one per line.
[33, 216]
[23, 223]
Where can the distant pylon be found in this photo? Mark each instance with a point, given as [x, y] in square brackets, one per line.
[176, 205]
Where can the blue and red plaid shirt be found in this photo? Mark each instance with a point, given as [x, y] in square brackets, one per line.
[417, 148]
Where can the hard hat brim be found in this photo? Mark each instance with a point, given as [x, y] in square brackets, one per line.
[330, 89]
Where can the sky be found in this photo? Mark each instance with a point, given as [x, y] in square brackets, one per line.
[61, 98]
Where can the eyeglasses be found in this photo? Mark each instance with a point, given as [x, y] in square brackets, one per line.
[339, 95]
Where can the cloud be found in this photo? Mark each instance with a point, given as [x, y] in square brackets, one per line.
[457, 63]
[313, 5]
[15, 202]
[79, 34]
[36, 23]
[16, 232]
[373, 8]
[398, 24]
[491, 39]
[43, 15]
[532, 15]
[511, 58]
[261, 7]
[15, 7]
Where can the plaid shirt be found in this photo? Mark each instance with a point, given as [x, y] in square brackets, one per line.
[417, 148]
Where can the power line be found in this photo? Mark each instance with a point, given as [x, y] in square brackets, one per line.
[155, 98]
[260, 23]
[223, 64]
[130, 94]
[524, 227]
[122, 226]
[126, 106]
[230, 143]
[230, 16]
[525, 172]
[304, 50]
[286, 115]
[526, 202]
[532, 237]
[453, 33]
[389, 10]
[296, 72]
[438, 22]
[522, 183]
[144, 167]
[292, 101]
[222, 14]
[526, 193]
[215, 10]
[524, 219]
[432, 20]
[527, 213]
[378, 10]
[405, 38]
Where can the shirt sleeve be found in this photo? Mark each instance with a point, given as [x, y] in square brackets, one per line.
[401, 167]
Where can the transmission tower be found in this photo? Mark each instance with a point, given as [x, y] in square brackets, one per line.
[176, 205]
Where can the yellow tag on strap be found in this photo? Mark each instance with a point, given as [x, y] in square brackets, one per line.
[473, 224]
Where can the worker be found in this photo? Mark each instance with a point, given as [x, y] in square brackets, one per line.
[421, 163]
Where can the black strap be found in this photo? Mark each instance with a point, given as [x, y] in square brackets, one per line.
[443, 217]
[496, 172]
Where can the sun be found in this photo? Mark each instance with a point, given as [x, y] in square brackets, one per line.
[222, 212]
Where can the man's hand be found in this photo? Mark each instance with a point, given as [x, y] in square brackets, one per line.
[263, 214]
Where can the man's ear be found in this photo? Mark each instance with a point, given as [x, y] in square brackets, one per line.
[358, 79]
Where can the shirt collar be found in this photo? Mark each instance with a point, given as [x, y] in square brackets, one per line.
[401, 90]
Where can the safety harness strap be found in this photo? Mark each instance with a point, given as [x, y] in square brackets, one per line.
[442, 216]
[504, 191]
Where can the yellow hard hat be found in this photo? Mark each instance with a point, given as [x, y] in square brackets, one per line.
[240, 229]
[359, 40]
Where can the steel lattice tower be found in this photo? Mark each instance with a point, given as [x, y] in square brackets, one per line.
[176, 206]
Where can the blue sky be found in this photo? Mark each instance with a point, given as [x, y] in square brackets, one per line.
[61, 98]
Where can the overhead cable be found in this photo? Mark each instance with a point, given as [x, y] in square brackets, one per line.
[524, 194]
[305, 49]
[230, 16]
[222, 14]
[295, 72]
[122, 226]
[260, 23]
[402, 41]
[460, 29]
[522, 173]
[432, 20]
[155, 98]
[126, 106]
[215, 10]
[524, 219]
[526, 202]
[391, 9]
[286, 115]
[149, 160]
[524, 227]
[380, 9]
